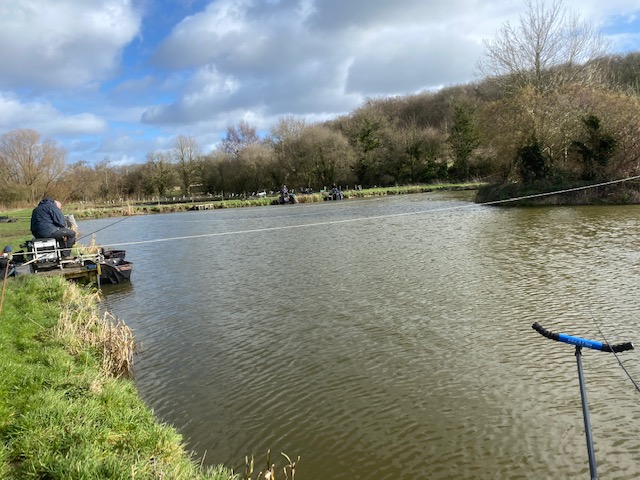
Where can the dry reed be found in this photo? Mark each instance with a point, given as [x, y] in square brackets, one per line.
[128, 210]
[269, 473]
[81, 324]
[80, 249]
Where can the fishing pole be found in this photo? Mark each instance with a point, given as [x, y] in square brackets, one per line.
[107, 226]
[580, 343]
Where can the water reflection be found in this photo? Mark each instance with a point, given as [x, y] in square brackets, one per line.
[388, 338]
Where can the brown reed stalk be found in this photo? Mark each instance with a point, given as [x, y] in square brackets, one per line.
[81, 324]
[270, 472]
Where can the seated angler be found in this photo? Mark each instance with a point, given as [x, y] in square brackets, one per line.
[47, 221]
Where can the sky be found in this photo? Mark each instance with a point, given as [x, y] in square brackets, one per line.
[117, 79]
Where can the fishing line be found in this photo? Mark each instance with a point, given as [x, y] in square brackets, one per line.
[107, 226]
[313, 205]
[173, 221]
[360, 219]
[624, 369]
[286, 227]
[568, 190]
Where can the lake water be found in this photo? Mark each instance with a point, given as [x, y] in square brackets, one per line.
[388, 338]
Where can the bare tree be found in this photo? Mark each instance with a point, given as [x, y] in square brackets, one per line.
[217, 172]
[30, 163]
[288, 128]
[239, 137]
[82, 182]
[285, 141]
[549, 48]
[186, 154]
[252, 165]
[325, 157]
[420, 149]
[158, 175]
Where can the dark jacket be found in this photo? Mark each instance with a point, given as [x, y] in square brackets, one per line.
[46, 219]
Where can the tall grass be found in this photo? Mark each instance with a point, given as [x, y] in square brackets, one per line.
[311, 198]
[82, 326]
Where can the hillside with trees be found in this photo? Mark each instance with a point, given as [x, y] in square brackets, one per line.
[552, 109]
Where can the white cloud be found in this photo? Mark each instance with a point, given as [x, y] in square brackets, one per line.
[625, 42]
[198, 39]
[401, 62]
[62, 43]
[293, 57]
[45, 119]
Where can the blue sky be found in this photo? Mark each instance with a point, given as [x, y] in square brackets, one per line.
[117, 79]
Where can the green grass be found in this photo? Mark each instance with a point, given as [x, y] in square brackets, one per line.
[15, 233]
[61, 415]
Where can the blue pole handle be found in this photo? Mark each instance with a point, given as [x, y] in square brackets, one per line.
[582, 342]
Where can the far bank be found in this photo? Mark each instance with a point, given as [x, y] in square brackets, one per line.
[617, 192]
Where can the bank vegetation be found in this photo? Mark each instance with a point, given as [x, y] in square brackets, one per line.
[68, 409]
[551, 108]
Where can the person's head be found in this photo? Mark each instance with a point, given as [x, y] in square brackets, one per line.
[58, 204]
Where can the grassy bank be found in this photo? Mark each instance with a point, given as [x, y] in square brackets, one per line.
[66, 410]
[18, 230]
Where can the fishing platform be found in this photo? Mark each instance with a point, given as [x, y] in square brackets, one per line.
[92, 265]
[82, 273]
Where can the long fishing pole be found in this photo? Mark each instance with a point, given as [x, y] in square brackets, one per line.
[579, 344]
[107, 226]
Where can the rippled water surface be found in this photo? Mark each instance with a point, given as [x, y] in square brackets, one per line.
[388, 338]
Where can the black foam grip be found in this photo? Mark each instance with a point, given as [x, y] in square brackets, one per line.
[621, 347]
[544, 332]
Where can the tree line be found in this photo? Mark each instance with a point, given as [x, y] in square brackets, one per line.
[552, 107]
